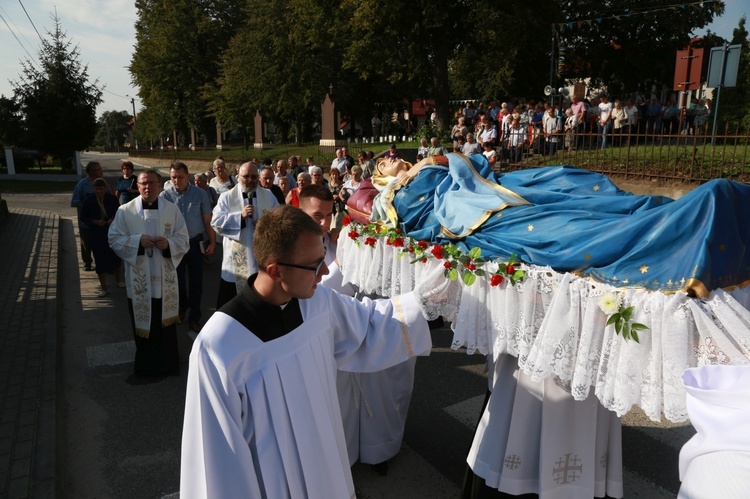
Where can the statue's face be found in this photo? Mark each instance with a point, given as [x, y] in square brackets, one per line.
[392, 166]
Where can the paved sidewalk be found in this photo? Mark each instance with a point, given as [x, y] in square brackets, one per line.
[28, 328]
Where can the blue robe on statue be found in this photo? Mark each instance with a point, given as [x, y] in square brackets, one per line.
[579, 221]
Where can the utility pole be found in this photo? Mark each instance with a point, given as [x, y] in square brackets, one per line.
[132, 101]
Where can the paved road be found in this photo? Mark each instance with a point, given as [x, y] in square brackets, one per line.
[119, 440]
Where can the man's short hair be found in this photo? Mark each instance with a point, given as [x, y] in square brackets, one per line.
[100, 182]
[201, 175]
[317, 191]
[91, 165]
[151, 171]
[266, 168]
[316, 169]
[277, 232]
[179, 165]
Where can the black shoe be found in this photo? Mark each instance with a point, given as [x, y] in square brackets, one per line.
[380, 468]
[87, 267]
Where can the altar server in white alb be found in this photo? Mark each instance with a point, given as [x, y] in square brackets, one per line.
[234, 218]
[374, 405]
[150, 236]
[261, 417]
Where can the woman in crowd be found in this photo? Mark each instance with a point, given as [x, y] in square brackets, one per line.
[223, 180]
[127, 189]
[303, 180]
[392, 152]
[352, 184]
[316, 175]
[98, 212]
[339, 206]
[424, 147]
[284, 185]
[620, 120]
[490, 153]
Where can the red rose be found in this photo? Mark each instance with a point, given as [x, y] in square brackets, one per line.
[424, 260]
[447, 264]
[423, 244]
[353, 234]
[388, 241]
[346, 221]
[411, 249]
[398, 231]
[370, 241]
[496, 280]
[471, 266]
[437, 251]
[510, 269]
[398, 242]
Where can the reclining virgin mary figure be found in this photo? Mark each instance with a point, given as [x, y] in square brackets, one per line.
[573, 221]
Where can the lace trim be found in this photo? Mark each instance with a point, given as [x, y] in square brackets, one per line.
[552, 323]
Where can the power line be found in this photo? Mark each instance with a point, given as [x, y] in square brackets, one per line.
[20, 32]
[18, 40]
[32, 22]
[116, 95]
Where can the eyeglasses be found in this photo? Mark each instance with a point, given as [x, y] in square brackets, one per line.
[315, 269]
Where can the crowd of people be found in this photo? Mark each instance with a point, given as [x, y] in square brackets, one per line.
[508, 130]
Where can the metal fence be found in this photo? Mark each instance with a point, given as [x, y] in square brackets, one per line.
[664, 155]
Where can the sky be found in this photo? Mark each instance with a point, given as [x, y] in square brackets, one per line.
[105, 34]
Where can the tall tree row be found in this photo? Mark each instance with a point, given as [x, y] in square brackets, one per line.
[197, 60]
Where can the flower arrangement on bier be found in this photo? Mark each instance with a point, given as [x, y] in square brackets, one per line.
[621, 316]
[467, 266]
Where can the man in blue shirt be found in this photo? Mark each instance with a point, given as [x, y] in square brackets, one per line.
[195, 205]
[83, 188]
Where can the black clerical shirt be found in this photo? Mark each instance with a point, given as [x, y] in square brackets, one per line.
[264, 320]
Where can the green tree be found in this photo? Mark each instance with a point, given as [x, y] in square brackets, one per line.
[58, 103]
[281, 63]
[178, 45]
[113, 129]
[11, 122]
[625, 46]
[407, 45]
[734, 103]
[511, 60]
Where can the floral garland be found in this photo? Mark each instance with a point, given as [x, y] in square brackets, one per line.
[471, 265]
[457, 264]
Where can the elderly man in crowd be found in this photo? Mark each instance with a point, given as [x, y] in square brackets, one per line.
[234, 218]
[266, 178]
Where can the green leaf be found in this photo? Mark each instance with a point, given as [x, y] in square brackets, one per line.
[635, 336]
[480, 272]
[519, 274]
[627, 313]
[626, 330]
[512, 259]
[475, 253]
[453, 274]
[464, 259]
[618, 326]
[401, 255]
[469, 278]
[638, 326]
[501, 269]
[613, 319]
[480, 261]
